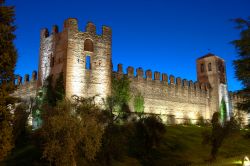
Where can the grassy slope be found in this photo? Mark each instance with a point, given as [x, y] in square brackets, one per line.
[235, 147]
[182, 145]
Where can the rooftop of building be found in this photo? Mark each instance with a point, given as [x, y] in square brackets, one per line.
[209, 55]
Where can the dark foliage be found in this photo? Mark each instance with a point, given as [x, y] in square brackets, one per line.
[242, 64]
[114, 144]
[219, 132]
[75, 128]
[8, 57]
[7, 49]
[120, 95]
[59, 90]
[54, 93]
[20, 121]
[201, 121]
[148, 134]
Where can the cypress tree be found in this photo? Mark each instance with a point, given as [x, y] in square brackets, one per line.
[242, 64]
[8, 57]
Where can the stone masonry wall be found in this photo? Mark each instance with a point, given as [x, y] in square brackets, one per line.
[80, 80]
[26, 89]
[171, 97]
[66, 52]
[46, 50]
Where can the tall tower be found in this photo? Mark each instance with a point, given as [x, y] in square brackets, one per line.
[211, 69]
[83, 56]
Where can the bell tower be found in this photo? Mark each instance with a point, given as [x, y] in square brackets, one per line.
[211, 69]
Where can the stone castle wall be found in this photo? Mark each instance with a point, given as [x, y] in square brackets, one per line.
[26, 89]
[176, 98]
[67, 52]
[95, 80]
[167, 97]
[53, 51]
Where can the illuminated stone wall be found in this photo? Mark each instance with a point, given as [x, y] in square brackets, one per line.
[67, 52]
[96, 80]
[46, 49]
[26, 88]
[214, 75]
[26, 91]
[181, 99]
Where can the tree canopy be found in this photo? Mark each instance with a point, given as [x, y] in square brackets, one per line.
[242, 64]
[7, 49]
[8, 57]
[120, 95]
[71, 132]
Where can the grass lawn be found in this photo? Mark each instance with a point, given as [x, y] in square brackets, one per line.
[185, 143]
[182, 145]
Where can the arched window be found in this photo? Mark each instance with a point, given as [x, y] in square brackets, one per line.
[88, 62]
[209, 67]
[88, 45]
[202, 68]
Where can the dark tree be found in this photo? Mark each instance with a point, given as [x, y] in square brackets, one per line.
[72, 132]
[220, 131]
[120, 96]
[242, 64]
[8, 57]
[148, 135]
[216, 137]
[7, 49]
[59, 88]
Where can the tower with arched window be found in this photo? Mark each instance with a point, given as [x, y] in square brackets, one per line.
[83, 57]
[211, 69]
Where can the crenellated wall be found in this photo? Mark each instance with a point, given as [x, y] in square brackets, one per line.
[173, 97]
[85, 59]
[26, 88]
[68, 52]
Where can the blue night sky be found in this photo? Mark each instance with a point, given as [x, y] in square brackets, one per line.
[161, 35]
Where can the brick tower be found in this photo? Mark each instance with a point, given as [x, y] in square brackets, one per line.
[211, 69]
[83, 57]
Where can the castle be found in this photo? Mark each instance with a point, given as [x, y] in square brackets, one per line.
[85, 59]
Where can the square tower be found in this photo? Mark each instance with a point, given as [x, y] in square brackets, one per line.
[83, 56]
[211, 69]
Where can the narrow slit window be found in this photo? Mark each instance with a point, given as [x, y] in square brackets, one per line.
[88, 66]
[202, 68]
[52, 62]
[209, 67]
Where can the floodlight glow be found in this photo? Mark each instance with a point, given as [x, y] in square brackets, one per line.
[246, 161]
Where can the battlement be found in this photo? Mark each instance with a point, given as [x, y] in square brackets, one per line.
[71, 24]
[158, 79]
[19, 82]
[26, 88]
